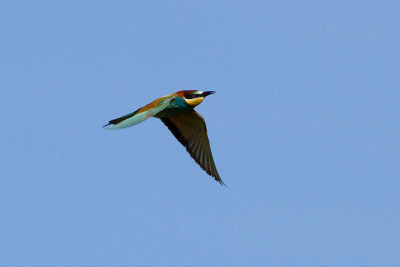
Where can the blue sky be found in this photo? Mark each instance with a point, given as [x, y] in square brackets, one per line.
[304, 129]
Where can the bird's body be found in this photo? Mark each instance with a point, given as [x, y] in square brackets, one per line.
[177, 112]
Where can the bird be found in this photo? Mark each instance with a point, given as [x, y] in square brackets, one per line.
[177, 112]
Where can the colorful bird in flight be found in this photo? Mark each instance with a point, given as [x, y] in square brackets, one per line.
[177, 112]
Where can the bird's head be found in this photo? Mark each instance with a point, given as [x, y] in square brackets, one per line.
[194, 98]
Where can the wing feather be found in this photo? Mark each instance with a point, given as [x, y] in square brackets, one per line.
[190, 130]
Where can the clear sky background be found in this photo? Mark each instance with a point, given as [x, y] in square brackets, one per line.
[304, 129]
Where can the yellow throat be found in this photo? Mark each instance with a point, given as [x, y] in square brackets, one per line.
[194, 102]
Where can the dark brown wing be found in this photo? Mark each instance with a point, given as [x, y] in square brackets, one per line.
[190, 130]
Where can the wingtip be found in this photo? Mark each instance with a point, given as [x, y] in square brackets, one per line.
[221, 182]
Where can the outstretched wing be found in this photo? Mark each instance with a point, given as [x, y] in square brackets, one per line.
[140, 115]
[190, 130]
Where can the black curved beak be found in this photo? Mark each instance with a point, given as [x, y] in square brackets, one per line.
[206, 93]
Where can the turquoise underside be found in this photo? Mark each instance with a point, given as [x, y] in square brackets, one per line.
[165, 109]
[130, 121]
[175, 107]
[177, 103]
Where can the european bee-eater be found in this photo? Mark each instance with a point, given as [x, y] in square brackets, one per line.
[177, 112]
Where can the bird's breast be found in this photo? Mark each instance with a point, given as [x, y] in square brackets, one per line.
[175, 107]
[177, 103]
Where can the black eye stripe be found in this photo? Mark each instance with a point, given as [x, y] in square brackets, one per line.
[191, 96]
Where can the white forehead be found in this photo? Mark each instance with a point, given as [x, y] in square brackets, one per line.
[199, 92]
